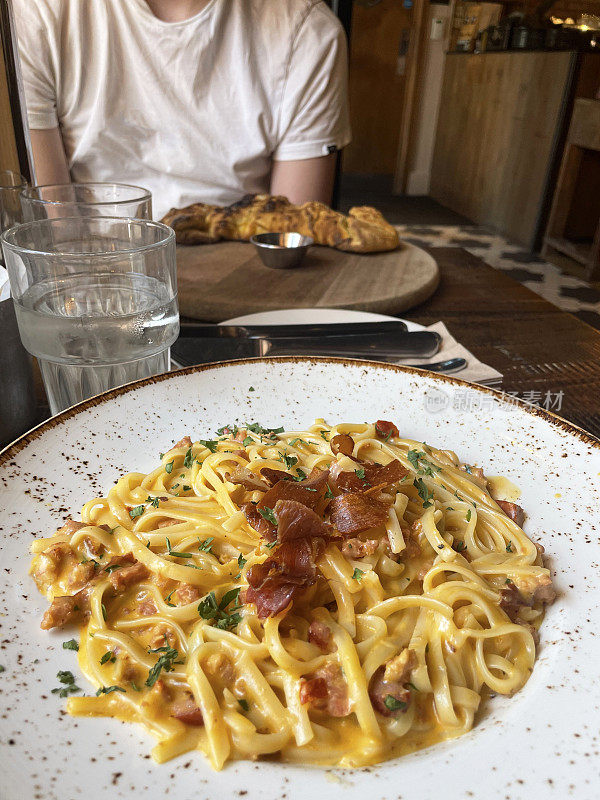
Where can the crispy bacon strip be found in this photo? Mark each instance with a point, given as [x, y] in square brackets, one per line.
[276, 582]
[310, 492]
[367, 476]
[385, 430]
[258, 522]
[342, 443]
[295, 521]
[242, 476]
[513, 511]
[273, 476]
[353, 513]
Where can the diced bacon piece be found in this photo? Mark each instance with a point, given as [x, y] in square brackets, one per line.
[242, 454]
[411, 540]
[273, 476]
[186, 593]
[166, 523]
[93, 548]
[342, 443]
[244, 477]
[258, 522]
[354, 513]
[80, 574]
[511, 600]
[319, 634]
[187, 711]
[310, 492]
[185, 442]
[359, 548]
[69, 608]
[512, 510]
[385, 430]
[312, 690]
[127, 572]
[389, 698]
[147, 608]
[295, 521]
[526, 592]
[367, 476]
[161, 635]
[70, 527]
[219, 665]
[326, 689]
[291, 569]
[399, 667]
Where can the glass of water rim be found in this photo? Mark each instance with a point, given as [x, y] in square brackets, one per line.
[95, 299]
[86, 199]
[11, 186]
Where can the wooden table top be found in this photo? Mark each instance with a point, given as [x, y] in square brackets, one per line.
[228, 279]
[537, 347]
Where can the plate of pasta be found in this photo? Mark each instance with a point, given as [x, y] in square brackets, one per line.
[296, 577]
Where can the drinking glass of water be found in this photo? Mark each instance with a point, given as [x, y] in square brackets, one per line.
[95, 299]
[86, 200]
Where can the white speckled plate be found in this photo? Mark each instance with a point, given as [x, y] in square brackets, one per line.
[544, 742]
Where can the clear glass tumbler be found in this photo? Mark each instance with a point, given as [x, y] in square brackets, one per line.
[95, 299]
[86, 200]
[11, 186]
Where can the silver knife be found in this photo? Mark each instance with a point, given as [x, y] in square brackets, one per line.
[203, 330]
[418, 344]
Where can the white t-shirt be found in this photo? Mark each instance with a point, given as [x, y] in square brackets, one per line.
[193, 110]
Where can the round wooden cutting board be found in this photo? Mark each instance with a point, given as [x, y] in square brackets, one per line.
[218, 281]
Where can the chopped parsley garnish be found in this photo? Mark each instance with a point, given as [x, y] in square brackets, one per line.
[169, 467]
[268, 514]
[68, 684]
[425, 494]
[108, 656]
[210, 444]
[421, 463]
[328, 492]
[294, 442]
[206, 545]
[258, 429]
[460, 546]
[357, 574]
[109, 689]
[2, 668]
[134, 686]
[440, 546]
[323, 435]
[176, 553]
[508, 580]
[103, 607]
[168, 657]
[70, 645]
[189, 458]
[244, 704]
[186, 488]
[412, 686]
[241, 561]
[113, 567]
[468, 516]
[168, 599]
[289, 461]
[393, 703]
[222, 618]
[509, 547]
[248, 440]
[161, 456]
[271, 545]
[360, 473]
[227, 429]
[251, 389]
[300, 475]
[154, 501]
[137, 511]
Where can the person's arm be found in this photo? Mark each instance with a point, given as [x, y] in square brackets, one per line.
[305, 179]
[49, 158]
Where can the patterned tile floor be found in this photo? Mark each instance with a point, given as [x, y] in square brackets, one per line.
[566, 291]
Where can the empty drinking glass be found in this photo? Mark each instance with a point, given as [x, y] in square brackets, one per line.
[85, 200]
[95, 299]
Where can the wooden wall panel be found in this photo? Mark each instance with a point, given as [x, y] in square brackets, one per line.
[8, 148]
[495, 136]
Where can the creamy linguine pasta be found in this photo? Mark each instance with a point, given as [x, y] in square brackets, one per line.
[337, 595]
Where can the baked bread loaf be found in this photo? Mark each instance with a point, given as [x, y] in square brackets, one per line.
[363, 230]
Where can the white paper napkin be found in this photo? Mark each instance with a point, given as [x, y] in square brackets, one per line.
[475, 371]
[4, 285]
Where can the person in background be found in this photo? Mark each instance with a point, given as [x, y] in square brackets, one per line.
[196, 100]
